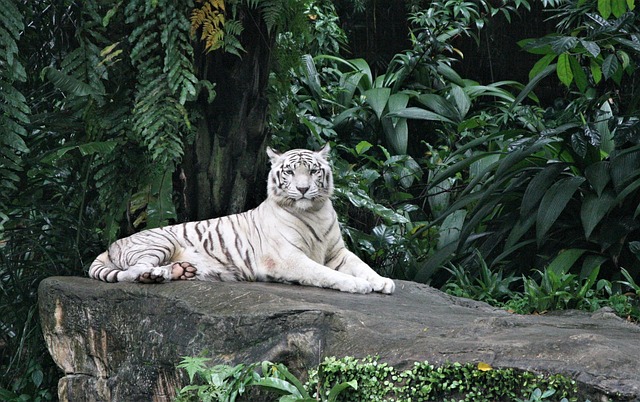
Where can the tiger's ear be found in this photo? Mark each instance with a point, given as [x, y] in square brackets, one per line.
[273, 155]
[324, 152]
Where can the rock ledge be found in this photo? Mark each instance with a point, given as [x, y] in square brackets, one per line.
[121, 342]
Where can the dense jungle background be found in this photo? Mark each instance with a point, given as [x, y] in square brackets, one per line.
[488, 148]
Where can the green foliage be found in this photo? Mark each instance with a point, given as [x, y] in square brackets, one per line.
[14, 110]
[225, 383]
[488, 286]
[350, 379]
[596, 42]
[424, 381]
[548, 290]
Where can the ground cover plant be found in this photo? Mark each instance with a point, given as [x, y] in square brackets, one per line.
[350, 379]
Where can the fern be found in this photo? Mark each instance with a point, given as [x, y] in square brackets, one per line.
[210, 18]
[14, 111]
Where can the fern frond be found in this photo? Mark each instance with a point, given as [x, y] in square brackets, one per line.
[272, 11]
[14, 110]
[210, 19]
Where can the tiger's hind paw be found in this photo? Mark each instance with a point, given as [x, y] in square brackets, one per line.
[183, 271]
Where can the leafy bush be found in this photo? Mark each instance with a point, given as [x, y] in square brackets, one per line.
[350, 379]
[225, 383]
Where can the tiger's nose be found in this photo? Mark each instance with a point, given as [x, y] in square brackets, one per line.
[302, 190]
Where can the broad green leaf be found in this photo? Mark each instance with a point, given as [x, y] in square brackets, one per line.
[564, 69]
[618, 7]
[624, 193]
[338, 388]
[594, 208]
[565, 260]
[607, 145]
[451, 228]
[99, 147]
[541, 65]
[609, 66]
[457, 167]
[279, 386]
[591, 263]
[631, 4]
[450, 74]
[12, 139]
[591, 47]
[624, 168]
[377, 98]
[596, 71]
[349, 83]
[441, 106]
[563, 44]
[522, 226]
[312, 77]
[553, 204]
[514, 157]
[419, 114]
[69, 84]
[579, 76]
[538, 187]
[362, 147]
[604, 8]
[598, 176]
[362, 66]
[397, 134]
[462, 101]
[398, 102]
[435, 262]
[532, 83]
[537, 46]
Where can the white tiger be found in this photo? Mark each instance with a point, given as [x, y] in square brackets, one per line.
[292, 237]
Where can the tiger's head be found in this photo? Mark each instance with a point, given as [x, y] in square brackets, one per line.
[300, 178]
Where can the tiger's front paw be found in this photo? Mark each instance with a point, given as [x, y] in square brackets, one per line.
[155, 275]
[383, 285]
[355, 285]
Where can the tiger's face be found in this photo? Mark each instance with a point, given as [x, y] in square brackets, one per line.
[300, 178]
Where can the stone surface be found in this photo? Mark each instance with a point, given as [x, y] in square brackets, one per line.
[121, 342]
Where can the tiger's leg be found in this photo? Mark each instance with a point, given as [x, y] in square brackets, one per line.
[304, 271]
[179, 271]
[347, 262]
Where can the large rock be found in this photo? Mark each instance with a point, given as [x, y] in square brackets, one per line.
[121, 342]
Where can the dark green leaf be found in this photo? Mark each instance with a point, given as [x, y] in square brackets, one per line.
[598, 175]
[610, 66]
[594, 208]
[553, 204]
[69, 84]
[579, 76]
[564, 69]
[538, 187]
[591, 47]
[532, 83]
[563, 44]
[565, 260]
[604, 8]
[377, 98]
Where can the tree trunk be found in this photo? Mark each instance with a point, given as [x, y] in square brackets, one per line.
[225, 165]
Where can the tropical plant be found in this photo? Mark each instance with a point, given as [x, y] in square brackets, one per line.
[226, 383]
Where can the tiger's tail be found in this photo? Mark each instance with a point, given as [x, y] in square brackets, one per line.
[103, 269]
